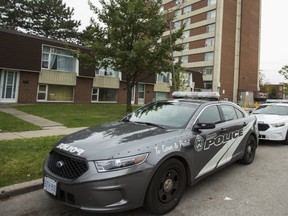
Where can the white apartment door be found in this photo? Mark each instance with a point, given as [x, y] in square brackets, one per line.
[141, 94]
[9, 86]
[133, 95]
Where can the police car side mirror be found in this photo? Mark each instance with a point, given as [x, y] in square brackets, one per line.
[201, 126]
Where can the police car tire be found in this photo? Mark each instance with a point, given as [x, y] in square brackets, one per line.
[250, 150]
[159, 201]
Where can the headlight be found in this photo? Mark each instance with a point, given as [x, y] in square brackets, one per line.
[120, 163]
[280, 124]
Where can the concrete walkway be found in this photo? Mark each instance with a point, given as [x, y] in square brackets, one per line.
[50, 128]
[41, 122]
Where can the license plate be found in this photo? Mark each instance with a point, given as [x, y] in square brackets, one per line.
[50, 185]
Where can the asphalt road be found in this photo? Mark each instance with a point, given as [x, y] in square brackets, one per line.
[257, 189]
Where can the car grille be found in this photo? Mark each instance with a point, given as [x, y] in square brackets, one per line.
[263, 127]
[66, 167]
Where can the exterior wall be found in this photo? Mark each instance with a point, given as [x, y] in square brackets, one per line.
[19, 52]
[82, 91]
[122, 94]
[28, 87]
[228, 49]
[249, 58]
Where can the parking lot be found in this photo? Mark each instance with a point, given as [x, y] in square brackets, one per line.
[256, 189]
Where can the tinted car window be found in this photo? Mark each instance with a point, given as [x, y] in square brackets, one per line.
[239, 113]
[167, 114]
[210, 115]
[229, 112]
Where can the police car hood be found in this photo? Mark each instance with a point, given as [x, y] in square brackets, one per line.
[115, 139]
[270, 119]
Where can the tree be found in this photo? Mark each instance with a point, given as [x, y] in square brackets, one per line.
[52, 19]
[13, 14]
[128, 38]
[47, 18]
[273, 93]
[284, 71]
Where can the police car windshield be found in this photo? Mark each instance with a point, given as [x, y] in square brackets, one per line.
[272, 110]
[164, 114]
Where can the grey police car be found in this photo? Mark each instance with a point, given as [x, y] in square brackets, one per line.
[150, 156]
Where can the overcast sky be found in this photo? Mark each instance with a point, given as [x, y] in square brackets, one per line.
[274, 34]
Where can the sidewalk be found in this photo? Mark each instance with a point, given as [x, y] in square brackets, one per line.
[50, 128]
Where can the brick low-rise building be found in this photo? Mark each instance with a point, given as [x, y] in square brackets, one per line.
[35, 69]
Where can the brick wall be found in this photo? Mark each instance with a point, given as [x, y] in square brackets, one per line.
[28, 87]
[83, 90]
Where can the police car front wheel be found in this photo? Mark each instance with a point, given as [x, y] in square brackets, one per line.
[166, 187]
[250, 150]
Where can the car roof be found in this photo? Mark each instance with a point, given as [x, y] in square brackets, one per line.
[274, 104]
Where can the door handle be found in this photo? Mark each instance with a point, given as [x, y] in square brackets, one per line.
[222, 130]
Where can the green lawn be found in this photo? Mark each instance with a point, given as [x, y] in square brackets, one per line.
[22, 159]
[9, 123]
[76, 115]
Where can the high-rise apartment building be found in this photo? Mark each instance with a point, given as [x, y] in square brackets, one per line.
[221, 40]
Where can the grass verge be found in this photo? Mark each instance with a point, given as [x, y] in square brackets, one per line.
[76, 115]
[9, 123]
[22, 159]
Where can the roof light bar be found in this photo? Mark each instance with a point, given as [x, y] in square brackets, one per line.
[197, 95]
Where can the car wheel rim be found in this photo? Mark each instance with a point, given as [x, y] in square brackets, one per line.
[250, 151]
[168, 187]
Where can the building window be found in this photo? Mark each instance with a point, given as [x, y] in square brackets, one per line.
[207, 84]
[187, 21]
[42, 93]
[187, 9]
[178, 2]
[211, 2]
[211, 14]
[186, 34]
[58, 59]
[104, 95]
[161, 95]
[107, 72]
[184, 59]
[209, 56]
[209, 42]
[55, 93]
[177, 24]
[208, 71]
[163, 77]
[178, 12]
[185, 46]
[210, 28]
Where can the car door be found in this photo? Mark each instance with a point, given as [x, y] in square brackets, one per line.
[234, 124]
[208, 142]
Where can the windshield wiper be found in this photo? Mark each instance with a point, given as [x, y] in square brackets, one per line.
[150, 124]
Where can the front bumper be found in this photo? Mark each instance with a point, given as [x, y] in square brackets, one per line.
[273, 134]
[125, 190]
[120, 194]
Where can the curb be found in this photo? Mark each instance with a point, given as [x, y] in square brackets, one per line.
[21, 188]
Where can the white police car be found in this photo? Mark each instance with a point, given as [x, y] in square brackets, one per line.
[151, 155]
[272, 121]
